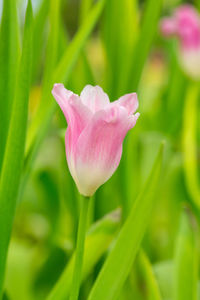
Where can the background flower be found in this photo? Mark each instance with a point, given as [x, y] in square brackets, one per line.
[185, 25]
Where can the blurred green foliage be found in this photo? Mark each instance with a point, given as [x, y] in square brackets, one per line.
[117, 45]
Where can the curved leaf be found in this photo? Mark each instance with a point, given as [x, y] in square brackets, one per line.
[118, 264]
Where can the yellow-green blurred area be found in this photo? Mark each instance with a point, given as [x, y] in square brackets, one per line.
[122, 52]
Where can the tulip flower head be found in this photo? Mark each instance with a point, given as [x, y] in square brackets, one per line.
[185, 25]
[95, 133]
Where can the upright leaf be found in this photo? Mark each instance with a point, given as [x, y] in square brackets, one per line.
[62, 72]
[150, 282]
[97, 241]
[118, 264]
[185, 262]
[70, 56]
[14, 153]
[50, 63]
[164, 274]
[85, 6]
[84, 69]
[144, 43]
[120, 17]
[189, 142]
[52, 48]
[38, 35]
[9, 52]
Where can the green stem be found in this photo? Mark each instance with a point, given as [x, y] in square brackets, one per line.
[76, 279]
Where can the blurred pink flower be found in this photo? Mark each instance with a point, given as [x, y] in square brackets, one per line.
[95, 133]
[185, 25]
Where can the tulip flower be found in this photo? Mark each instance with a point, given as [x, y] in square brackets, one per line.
[185, 26]
[95, 133]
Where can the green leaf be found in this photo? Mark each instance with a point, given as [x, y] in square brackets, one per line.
[39, 127]
[186, 262]
[9, 52]
[14, 153]
[50, 63]
[197, 4]
[176, 83]
[52, 48]
[144, 43]
[164, 274]
[64, 69]
[174, 93]
[51, 59]
[85, 6]
[97, 241]
[189, 142]
[118, 264]
[119, 47]
[151, 285]
[5, 297]
[70, 57]
[38, 35]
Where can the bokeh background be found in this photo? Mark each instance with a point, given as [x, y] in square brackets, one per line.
[125, 52]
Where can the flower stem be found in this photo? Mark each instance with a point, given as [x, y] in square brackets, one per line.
[76, 279]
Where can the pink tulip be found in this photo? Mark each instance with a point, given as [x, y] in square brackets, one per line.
[185, 25]
[95, 133]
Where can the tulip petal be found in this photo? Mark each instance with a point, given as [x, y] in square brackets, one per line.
[76, 114]
[94, 98]
[62, 96]
[129, 101]
[99, 148]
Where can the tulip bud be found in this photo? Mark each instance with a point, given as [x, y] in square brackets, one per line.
[95, 133]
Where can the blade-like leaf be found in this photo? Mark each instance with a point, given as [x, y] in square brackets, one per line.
[190, 142]
[38, 32]
[176, 83]
[146, 270]
[174, 93]
[85, 6]
[51, 57]
[13, 159]
[119, 262]
[186, 262]
[52, 48]
[65, 67]
[119, 47]
[164, 274]
[9, 52]
[146, 36]
[39, 127]
[97, 241]
[72, 53]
